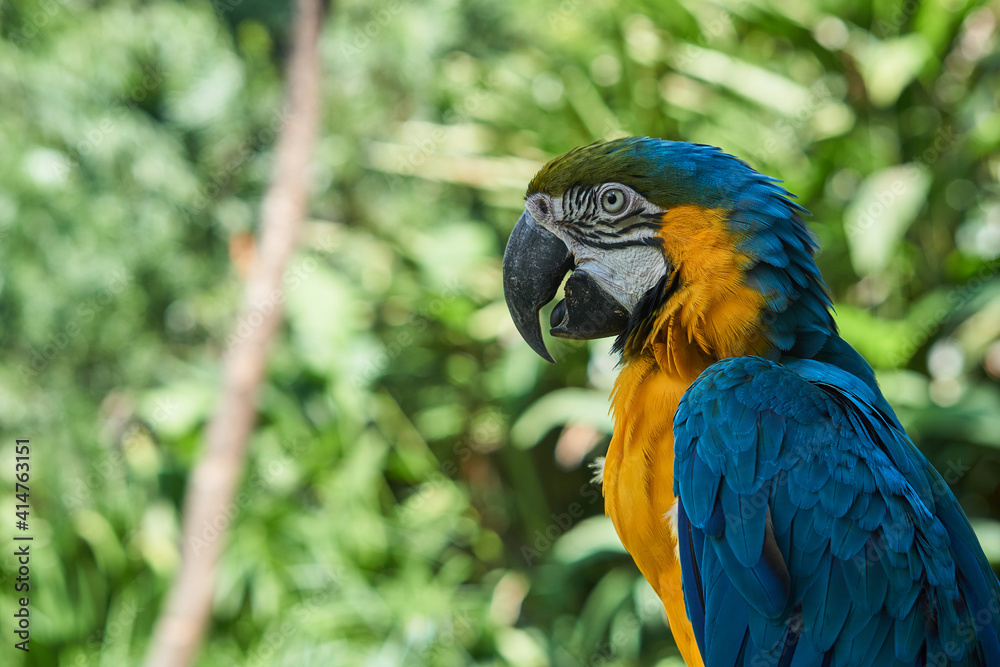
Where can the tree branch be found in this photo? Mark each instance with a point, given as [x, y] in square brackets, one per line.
[180, 629]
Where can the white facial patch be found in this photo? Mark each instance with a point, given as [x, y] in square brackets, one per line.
[626, 273]
[610, 247]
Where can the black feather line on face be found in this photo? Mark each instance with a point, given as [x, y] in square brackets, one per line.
[639, 225]
[605, 234]
[587, 237]
[590, 240]
[644, 313]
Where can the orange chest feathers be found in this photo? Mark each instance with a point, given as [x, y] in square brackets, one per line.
[638, 485]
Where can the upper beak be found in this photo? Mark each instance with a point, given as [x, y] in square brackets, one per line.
[533, 268]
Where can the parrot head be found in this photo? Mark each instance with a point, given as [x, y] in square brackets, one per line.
[655, 229]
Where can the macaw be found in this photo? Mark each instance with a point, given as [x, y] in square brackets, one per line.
[756, 474]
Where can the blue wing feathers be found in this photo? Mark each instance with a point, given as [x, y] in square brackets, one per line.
[874, 513]
[848, 539]
[747, 541]
[871, 642]
[722, 604]
[744, 476]
[836, 497]
[703, 486]
[687, 547]
[806, 656]
[812, 531]
[762, 586]
[910, 633]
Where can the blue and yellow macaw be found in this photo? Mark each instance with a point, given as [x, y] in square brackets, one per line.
[756, 474]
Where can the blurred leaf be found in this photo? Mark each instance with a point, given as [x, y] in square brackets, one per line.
[988, 533]
[520, 648]
[558, 408]
[885, 206]
[889, 66]
[589, 537]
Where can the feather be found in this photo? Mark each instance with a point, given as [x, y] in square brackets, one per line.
[863, 553]
[744, 526]
[700, 486]
[909, 635]
[826, 604]
[847, 539]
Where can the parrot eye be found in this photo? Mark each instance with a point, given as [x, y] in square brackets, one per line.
[613, 200]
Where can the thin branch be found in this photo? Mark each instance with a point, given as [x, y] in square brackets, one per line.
[180, 629]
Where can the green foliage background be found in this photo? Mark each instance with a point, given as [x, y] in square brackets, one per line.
[417, 490]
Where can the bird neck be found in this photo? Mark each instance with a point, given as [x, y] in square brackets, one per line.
[703, 310]
[731, 293]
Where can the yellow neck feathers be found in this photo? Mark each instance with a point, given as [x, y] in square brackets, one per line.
[711, 314]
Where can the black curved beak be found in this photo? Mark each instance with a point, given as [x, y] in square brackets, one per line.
[533, 268]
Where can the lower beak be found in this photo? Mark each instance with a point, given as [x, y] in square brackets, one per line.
[534, 265]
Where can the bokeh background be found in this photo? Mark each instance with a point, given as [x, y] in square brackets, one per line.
[418, 489]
